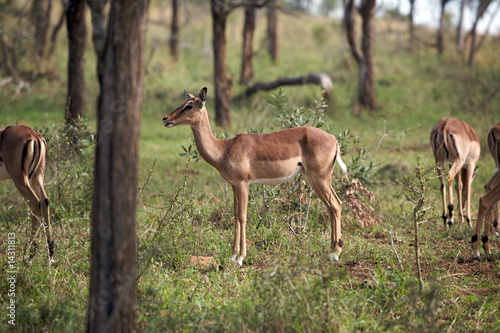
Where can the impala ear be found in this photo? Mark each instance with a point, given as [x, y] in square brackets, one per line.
[188, 95]
[203, 95]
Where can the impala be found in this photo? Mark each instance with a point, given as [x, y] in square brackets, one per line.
[271, 158]
[454, 141]
[22, 159]
[488, 204]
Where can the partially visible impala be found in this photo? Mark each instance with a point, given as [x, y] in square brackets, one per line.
[271, 158]
[454, 142]
[22, 159]
[488, 204]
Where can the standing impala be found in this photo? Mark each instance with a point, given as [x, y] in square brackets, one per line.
[454, 141]
[271, 159]
[22, 159]
[488, 204]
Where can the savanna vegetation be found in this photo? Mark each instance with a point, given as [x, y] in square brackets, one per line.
[184, 208]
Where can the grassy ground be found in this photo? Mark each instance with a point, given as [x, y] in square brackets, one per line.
[185, 209]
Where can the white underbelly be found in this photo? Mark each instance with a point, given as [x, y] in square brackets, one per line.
[275, 181]
[4, 175]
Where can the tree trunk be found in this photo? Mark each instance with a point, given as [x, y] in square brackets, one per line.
[440, 31]
[460, 34]
[366, 91]
[222, 83]
[174, 36]
[350, 30]
[113, 278]
[412, 25]
[481, 9]
[272, 30]
[97, 10]
[248, 30]
[57, 28]
[77, 35]
[40, 17]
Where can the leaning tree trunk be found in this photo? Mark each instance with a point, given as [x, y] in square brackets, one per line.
[366, 90]
[272, 30]
[440, 31]
[222, 83]
[174, 33]
[460, 34]
[247, 74]
[112, 302]
[40, 17]
[77, 35]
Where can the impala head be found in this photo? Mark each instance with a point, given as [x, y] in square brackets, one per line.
[189, 111]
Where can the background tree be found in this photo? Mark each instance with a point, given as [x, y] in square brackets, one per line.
[77, 35]
[174, 31]
[482, 6]
[222, 83]
[272, 30]
[411, 24]
[247, 74]
[113, 278]
[97, 10]
[40, 17]
[366, 89]
[440, 30]
[460, 33]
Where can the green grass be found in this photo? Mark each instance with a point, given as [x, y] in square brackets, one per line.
[185, 209]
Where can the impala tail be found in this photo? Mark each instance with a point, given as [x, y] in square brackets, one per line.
[340, 161]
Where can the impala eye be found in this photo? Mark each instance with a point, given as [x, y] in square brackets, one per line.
[187, 107]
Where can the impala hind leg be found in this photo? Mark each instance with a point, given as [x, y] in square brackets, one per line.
[26, 191]
[485, 203]
[324, 190]
[240, 193]
[454, 172]
[443, 192]
[37, 183]
[492, 217]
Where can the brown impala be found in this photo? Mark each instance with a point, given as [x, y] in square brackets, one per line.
[271, 158]
[488, 204]
[22, 159]
[454, 141]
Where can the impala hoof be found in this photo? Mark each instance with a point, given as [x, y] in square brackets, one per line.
[239, 262]
[450, 223]
[334, 257]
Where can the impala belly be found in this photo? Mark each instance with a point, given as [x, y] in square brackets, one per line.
[286, 172]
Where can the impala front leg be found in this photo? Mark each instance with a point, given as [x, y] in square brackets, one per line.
[240, 193]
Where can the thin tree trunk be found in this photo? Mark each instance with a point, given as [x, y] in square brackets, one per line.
[77, 35]
[412, 25]
[366, 92]
[350, 30]
[112, 303]
[40, 17]
[481, 9]
[247, 74]
[440, 31]
[272, 30]
[57, 28]
[222, 83]
[174, 34]
[460, 34]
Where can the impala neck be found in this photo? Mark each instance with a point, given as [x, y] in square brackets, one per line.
[209, 147]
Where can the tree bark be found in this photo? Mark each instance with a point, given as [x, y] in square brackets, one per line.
[222, 83]
[481, 9]
[440, 30]
[350, 30]
[77, 35]
[40, 17]
[174, 33]
[113, 278]
[412, 25]
[57, 28]
[366, 91]
[272, 30]
[460, 34]
[97, 10]
[247, 73]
